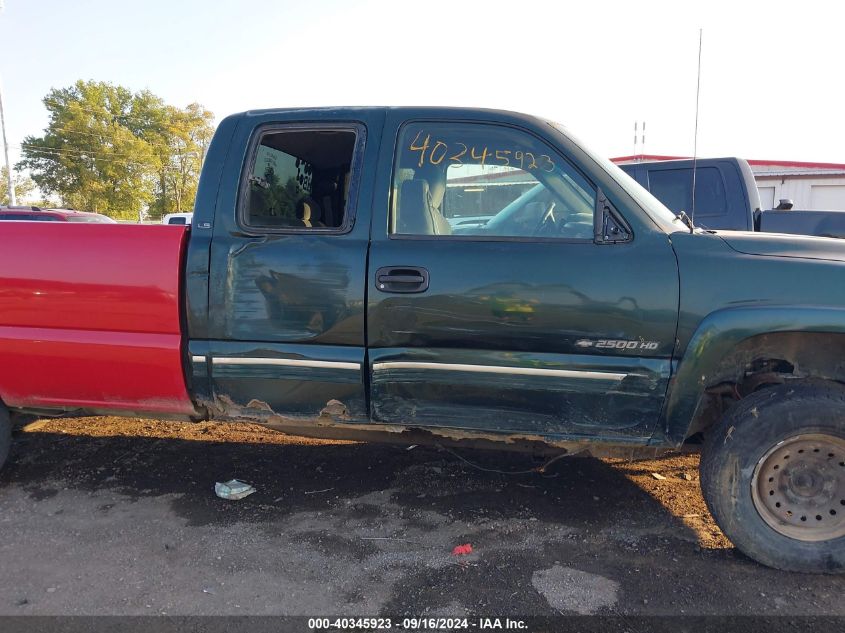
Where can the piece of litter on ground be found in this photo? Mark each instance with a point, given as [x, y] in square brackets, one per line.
[691, 516]
[411, 447]
[462, 550]
[314, 492]
[233, 490]
[658, 476]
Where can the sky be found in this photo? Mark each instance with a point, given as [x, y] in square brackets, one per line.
[772, 85]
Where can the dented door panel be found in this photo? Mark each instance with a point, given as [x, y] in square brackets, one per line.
[573, 308]
[540, 393]
[251, 379]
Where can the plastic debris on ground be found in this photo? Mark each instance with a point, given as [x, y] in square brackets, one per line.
[462, 550]
[233, 490]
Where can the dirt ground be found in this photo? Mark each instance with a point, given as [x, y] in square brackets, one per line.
[112, 516]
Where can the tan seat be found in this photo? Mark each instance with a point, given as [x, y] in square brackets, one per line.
[308, 212]
[417, 213]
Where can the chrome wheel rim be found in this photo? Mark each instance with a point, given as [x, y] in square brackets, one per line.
[798, 487]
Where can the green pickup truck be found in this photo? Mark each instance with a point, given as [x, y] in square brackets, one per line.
[454, 276]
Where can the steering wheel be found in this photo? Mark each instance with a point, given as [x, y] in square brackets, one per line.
[548, 225]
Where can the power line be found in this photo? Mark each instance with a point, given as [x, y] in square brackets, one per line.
[54, 152]
[75, 151]
[68, 152]
[100, 136]
[64, 129]
[82, 152]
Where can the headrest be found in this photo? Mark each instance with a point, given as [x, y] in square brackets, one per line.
[308, 211]
[436, 178]
[414, 216]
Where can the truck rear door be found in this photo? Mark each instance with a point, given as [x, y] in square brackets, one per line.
[490, 305]
[288, 266]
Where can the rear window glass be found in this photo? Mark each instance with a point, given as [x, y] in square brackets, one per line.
[28, 217]
[91, 218]
[673, 187]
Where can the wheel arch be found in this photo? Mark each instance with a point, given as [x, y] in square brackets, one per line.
[737, 351]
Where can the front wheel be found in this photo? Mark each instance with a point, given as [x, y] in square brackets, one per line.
[773, 476]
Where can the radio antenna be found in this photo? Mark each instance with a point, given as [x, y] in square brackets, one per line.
[695, 137]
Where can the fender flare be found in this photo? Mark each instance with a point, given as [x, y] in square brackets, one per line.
[718, 334]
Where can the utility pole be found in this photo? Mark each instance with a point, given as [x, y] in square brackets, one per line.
[639, 156]
[11, 181]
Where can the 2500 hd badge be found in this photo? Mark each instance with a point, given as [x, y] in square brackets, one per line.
[617, 344]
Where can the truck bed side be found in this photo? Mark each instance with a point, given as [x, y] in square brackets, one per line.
[90, 317]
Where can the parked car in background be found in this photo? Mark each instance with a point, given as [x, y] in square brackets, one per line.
[178, 218]
[726, 197]
[37, 214]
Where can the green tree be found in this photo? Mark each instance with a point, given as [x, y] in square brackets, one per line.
[180, 138]
[23, 187]
[110, 150]
[88, 156]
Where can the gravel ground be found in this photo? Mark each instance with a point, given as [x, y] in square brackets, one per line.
[111, 516]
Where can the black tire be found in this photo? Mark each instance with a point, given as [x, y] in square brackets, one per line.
[738, 456]
[5, 434]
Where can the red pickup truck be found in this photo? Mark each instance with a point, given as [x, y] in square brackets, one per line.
[91, 318]
[455, 276]
[37, 214]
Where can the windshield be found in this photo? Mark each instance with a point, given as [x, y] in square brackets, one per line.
[656, 209]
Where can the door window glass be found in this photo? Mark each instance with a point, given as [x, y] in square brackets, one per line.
[486, 181]
[299, 179]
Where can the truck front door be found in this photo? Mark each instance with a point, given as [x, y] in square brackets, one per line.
[492, 307]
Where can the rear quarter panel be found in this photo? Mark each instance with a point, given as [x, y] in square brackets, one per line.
[90, 317]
